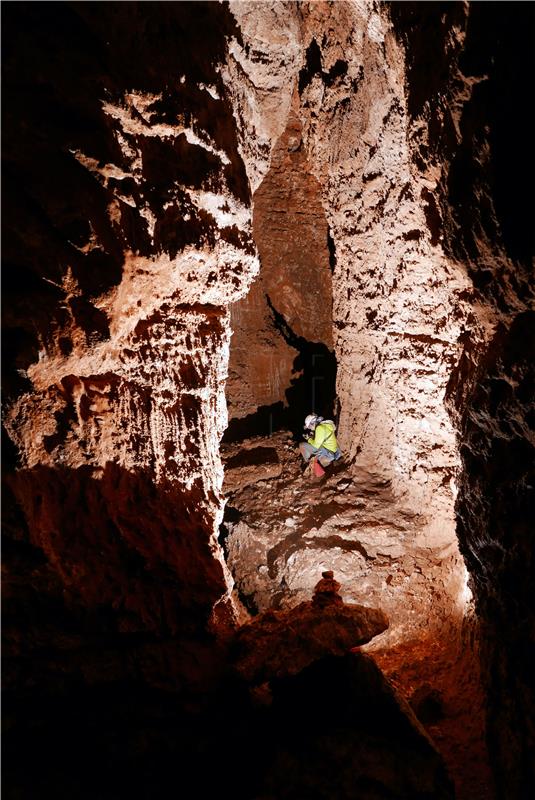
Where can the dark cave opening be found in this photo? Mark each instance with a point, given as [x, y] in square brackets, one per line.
[498, 50]
[312, 390]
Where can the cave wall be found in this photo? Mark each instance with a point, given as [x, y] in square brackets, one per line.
[281, 362]
[399, 304]
[128, 178]
[473, 117]
[127, 234]
[416, 125]
[282, 329]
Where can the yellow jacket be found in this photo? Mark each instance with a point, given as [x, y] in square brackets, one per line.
[324, 436]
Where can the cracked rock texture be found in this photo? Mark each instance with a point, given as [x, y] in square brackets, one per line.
[147, 148]
[128, 234]
[290, 231]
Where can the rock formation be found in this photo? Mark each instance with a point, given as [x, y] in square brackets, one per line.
[129, 234]
[281, 527]
[277, 644]
[217, 216]
[281, 349]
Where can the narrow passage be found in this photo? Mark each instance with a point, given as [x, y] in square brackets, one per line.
[282, 529]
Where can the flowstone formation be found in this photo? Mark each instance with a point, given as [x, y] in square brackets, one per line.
[128, 236]
[281, 353]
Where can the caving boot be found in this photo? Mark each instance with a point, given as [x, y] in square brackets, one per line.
[316, 468]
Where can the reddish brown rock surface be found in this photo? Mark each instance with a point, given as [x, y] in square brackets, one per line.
[128, 233]
[289, 308]
[135, 136]
[281, 643]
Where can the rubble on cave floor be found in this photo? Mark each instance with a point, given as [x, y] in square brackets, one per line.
[283, 528]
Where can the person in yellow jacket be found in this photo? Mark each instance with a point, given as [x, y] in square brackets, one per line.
[321, 442]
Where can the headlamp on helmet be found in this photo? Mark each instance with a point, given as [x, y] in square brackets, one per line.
[311, 421]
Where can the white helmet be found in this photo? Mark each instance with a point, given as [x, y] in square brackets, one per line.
[312, 420]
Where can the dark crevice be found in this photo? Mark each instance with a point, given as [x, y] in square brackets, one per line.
[332, 252]
[262, 422]
[230, 518]
[313, 67]
[338, 70]
[252, 457]
[432, 216]
[312, 390]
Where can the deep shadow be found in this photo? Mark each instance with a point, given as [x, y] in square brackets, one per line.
[333, 731]
[230, 518]
[313, 390]
[263, 422]
[120, 545]
[495, 511]
[498, 51]
[332, 252]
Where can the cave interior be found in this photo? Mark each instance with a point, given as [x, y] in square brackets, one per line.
[217, 219]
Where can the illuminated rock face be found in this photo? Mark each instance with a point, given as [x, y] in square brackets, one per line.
[130, 259]
[129, 236]
[289, 307]
[432, 287]
[399, 304]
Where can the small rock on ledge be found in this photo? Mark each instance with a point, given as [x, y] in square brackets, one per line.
[281, 643]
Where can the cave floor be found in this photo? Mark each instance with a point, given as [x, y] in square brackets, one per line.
[282, 528]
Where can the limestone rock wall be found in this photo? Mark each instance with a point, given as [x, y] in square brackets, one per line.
[289, 307]
[129, 164]
[486, 207]
[127, 235]
[474, 122]
[399, 304]
[415, 124]
[264, 55]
